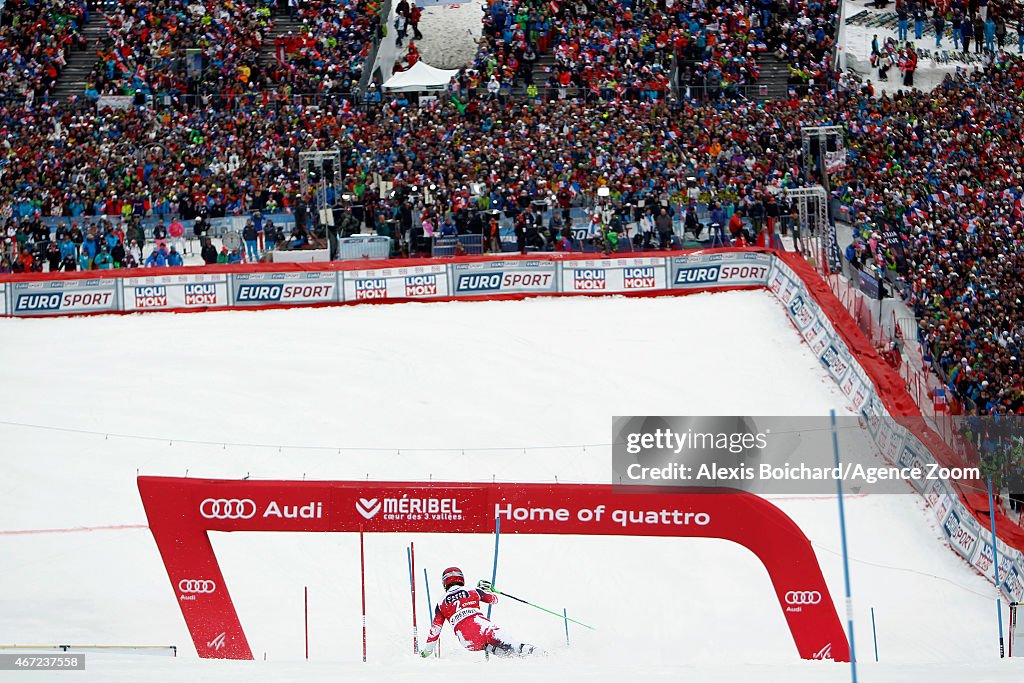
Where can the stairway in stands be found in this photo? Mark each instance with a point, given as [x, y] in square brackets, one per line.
[80, 62]
[73, 78]
[775, 75]
[282, 25]
[542, 68]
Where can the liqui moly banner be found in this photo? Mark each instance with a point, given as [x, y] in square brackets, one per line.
[503, 277]
[290, 288]
[1009, 568]
[182, 512]
[816, 335]
[614, 275]
[53, 297]
[783, 283]
[415, 282]
[857, 388]
[720, 270]
[161, 292]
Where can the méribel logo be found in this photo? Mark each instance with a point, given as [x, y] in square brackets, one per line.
[368, 507]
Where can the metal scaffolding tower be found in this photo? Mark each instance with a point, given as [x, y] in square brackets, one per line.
[816, 235]
[320, 170]
[822, 134]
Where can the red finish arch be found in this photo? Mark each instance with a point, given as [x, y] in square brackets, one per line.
[181, 512]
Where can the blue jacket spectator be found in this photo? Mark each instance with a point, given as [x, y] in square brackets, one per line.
[91, 245]
[156, 259]
[103, 260]
[67, 248]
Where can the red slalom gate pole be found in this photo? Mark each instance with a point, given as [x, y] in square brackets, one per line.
[362, 582]
[305, 618]
[412, 589]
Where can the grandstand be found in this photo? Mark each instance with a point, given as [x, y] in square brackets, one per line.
[123, 117]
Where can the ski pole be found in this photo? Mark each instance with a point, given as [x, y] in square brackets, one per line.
[430, 610]
[543, 609]
[494, 570]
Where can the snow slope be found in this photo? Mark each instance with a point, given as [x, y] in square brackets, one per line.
[929, 74]
[517, 391]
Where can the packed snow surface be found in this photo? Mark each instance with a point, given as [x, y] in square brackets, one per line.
[512, 391]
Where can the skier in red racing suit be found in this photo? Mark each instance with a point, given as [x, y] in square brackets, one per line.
[461, 606]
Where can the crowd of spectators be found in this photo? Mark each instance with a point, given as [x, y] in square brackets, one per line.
[147, 44]
[35, 38]
[629, 48]
[939, 169]
[612, 49]
[31, 246]
[328, 53]
[191, 47]
[943, 171]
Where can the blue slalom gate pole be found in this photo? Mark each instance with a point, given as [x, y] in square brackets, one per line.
[846, 555]
[565, 616]
[995, 562]
[874, 632]
[430, 604]
[430, 609]
[494, 570]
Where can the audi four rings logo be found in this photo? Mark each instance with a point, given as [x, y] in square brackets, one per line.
[803, 598]
[196, 586]
[227, 508]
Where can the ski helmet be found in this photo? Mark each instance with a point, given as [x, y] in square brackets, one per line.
[453, 577]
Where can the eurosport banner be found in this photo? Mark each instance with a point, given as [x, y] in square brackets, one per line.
[182, 512]
[614, 275]
[914, 455]
[962, 533]
[289, 288]
[503, 277]
[735, 269]
[160, 292]
[413, 282]
[1013, 581]
[53, 297]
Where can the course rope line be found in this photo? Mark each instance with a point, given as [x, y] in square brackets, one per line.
[280, 446]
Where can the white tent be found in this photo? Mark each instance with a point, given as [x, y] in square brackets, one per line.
[420, 77]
